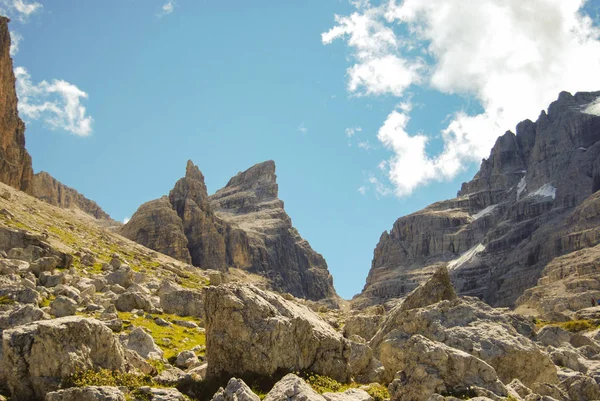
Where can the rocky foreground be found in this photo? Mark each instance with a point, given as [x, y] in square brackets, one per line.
[86, 314]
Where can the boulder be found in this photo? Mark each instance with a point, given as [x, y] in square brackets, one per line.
[425, 367]
[129, 301]
[63, 306]
[187, 360]
[180, 301]
[363, 325]
[353, 394]
[123, 276]
[89, 393]
[436, 289]
[142, 343]
[292, 388]
[236, 390]
[22, 315]
[251, 331]
[38, 356]
[160, 394]
[472, 326]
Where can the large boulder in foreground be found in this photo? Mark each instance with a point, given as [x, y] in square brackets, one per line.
[251, 331]
[436, 289]
[89, 393]
[496, 337]
[38, 356]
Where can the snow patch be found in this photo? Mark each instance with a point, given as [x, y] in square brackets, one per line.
[521, 187]
[465, 257]
[545, 191]
[484, 212]
[593, 108]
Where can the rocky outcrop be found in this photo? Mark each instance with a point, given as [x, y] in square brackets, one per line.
[499, 339]
[15, 162]
[251, 331]
[38, 356]
[293, 388]
[241, 226]
[89, 393]
[236, 390]
[49, 189]
[534, 199]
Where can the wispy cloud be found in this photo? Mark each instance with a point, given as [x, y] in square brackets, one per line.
[57, 104]
[15, 39]
[167, 8]
[351, 131]
[302, 129]
[489, 50]
[362, 190]
[19, 9]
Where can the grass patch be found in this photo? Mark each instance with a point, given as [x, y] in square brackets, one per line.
[106, 377]
[324, 384]
[574, 326]
[6, 300]
[171, 339]
[47, 301]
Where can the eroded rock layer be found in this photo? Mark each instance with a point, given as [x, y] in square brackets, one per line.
[531, 201]
[15, 162]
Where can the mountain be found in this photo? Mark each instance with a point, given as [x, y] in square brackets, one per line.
[49, 189]
[15, 162]
[532, 201]
[243, 226]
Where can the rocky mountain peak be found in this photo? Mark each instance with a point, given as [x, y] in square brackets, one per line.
[193, 172]
[15, 162]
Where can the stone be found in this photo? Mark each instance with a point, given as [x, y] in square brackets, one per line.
[436, 289]
[251, 331]
[236, 390]
[186, 360]
[424, 367]
[553, 335]
[22, 315]
[292, 388]
[45, 264]
[142, 343]
[63, 306]
[170, 377]
[15, 162]
[472, 326]
[50, 280]
[39, 355]
[180, 301]
[161, 394]
[88, 393]
[363, 325]
[123, 276]
[583, 388]
[49, 189]
[353, 394]
[129, 301]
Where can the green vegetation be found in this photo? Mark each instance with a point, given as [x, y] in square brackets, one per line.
[5, 300]
[47, 301]
[324, 384]
[574, 326]
[106, 377]
[171, 339]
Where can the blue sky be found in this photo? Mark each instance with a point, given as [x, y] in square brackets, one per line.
[231, 84]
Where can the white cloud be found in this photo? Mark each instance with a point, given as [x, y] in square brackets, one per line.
[351, 131]
[512, 56]
[362, 190]
[366, 145]
[167, 8]
[57, 103]
[19, 9]
[302, 129]
[15, 39]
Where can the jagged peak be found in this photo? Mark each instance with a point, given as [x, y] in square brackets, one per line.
[193, 172]
[260, 174]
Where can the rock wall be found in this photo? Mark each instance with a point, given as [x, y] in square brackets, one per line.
[49, 189]
[15, 162]
[517, 214]
[243, 225]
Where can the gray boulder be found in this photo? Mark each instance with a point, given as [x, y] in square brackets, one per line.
[89, 393]
[63, 306]
[292, 388]
[142, 343]
[236, 390]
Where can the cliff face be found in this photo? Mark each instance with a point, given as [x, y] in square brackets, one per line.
[49, 189]
[15, 162]
[243, 225]
[506, 225]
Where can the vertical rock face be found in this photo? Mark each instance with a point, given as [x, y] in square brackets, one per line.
[49, 189]
[518, 213]
[206, 242]
[243, 225]
[15, 162]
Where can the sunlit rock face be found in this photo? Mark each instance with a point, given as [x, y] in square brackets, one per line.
[532, 200]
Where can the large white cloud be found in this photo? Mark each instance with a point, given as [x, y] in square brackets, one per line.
[57, 103]
[513, 56]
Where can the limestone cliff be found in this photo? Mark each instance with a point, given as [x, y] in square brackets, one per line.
[527, 205]
[49, 189]
[15, 162]
[243, 225]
